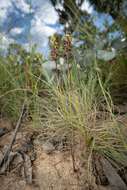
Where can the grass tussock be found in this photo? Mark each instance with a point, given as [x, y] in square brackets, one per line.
[86, 106]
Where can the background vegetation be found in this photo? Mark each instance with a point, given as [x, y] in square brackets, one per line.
[83, 94]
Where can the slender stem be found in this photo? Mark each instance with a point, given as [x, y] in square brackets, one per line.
[6, 155]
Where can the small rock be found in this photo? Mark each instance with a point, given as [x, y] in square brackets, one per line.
[48, 147]
[3, 131]
[1, 156]
[28, 169]
[114, 179]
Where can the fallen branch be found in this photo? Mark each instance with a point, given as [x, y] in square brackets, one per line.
[7, 152]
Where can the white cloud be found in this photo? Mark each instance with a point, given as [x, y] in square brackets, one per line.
[27, 46]
[4, 6]
[40, 28]
[44, 16]
[59, 6]
[46, 12]
[7, 5]
[40, 33]
[123, 39]
[22, 5]
[16, 30]
[5, 41]
[87, 7]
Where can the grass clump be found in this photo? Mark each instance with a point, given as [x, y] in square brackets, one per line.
[84, 104]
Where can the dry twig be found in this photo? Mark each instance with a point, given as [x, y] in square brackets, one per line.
[7, 152]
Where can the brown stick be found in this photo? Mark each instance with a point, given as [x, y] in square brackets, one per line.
[6, 155]
[72, 151]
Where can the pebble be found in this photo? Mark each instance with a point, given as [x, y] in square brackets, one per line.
[48, 147]
[2, 131]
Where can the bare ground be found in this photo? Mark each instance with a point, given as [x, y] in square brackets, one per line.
[42, 160]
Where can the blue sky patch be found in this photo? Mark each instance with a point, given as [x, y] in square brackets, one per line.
[34, 21]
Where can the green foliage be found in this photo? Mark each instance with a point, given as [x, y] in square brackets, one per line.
[111, 7]
[21, 77]
[114, 73]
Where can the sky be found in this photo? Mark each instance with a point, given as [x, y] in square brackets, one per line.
[33, 21]
[27, 24]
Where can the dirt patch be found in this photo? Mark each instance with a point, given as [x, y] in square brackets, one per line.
[56, 172]
[47, 160]
[62, 168]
